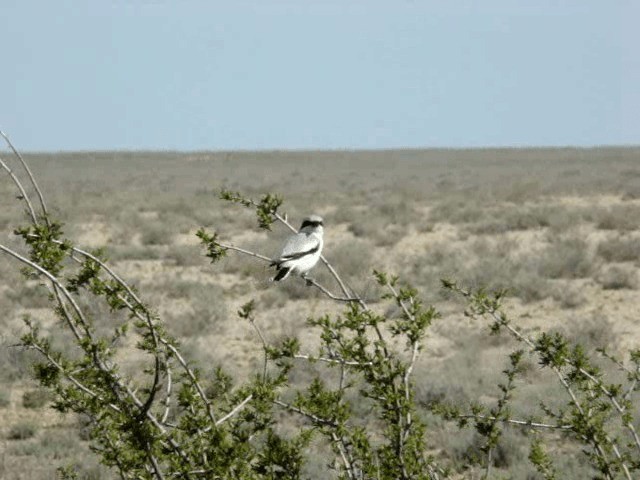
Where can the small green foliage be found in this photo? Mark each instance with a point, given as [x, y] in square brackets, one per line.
[288, 348]
[282, 458]
[553, 350]
[214, 250]
[540, 459]
[87, 276]
[45, 246]
[266, 209]
[67, 472]
[247, 309]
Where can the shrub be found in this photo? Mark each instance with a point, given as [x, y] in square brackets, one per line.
[620, 249]
[204, 312]
[569, 296]
[5, 397]
[567, 257]
[35, 399]
[21, 431]
[155, 233]
[619, 217]
[616, 277]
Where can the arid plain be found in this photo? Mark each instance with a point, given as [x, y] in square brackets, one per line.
[560, 228]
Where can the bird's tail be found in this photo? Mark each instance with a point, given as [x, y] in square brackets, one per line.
[283, 273]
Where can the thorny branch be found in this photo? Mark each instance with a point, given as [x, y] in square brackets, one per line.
[501, 320]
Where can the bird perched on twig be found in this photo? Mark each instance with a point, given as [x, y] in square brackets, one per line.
[301, 251]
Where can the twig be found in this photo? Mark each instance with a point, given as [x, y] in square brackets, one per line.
[524, 423]
[246, 252]
[70, 377]
[192, 377]
[340, 443]
[31, 177]
[345, 299]
[331, 360]
[23, 193]
[487, 470]
[167, 401]
[265, 346]
[236, 409]
[156, 467]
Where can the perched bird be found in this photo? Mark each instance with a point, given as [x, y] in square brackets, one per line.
[301, 251]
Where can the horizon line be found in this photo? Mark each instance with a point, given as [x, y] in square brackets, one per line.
[337, 150]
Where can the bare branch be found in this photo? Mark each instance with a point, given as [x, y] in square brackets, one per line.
[31, 177]
[192, 377]
[340, 442]
[523, 423]
[331, 360]
[167, 401]
[23, 193]
[252, 321]
[236, 409]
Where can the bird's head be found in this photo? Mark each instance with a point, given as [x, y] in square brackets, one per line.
[312, 224]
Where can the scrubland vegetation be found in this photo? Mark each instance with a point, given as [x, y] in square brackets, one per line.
[556, 231]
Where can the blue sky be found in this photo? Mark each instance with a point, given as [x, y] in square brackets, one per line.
[328, 74]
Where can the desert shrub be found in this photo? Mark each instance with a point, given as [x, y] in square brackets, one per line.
[273, 298]
[29, 295]
[506, 218]
[5, 396]
[593, 331]
[134, 252]
[566, 257]
[35, 399]
[155, 233]
[293, 288]
[349, 212]
[185, 255]
[385, 222]
[620, 249]
[569, 296]
[54, 445]
[481, 263]
[616, 277]
[22, 431]
[355, 258]
[205, 308]
[493, 219]
[620, 217]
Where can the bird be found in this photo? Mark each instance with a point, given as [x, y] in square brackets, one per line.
[301, 251]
